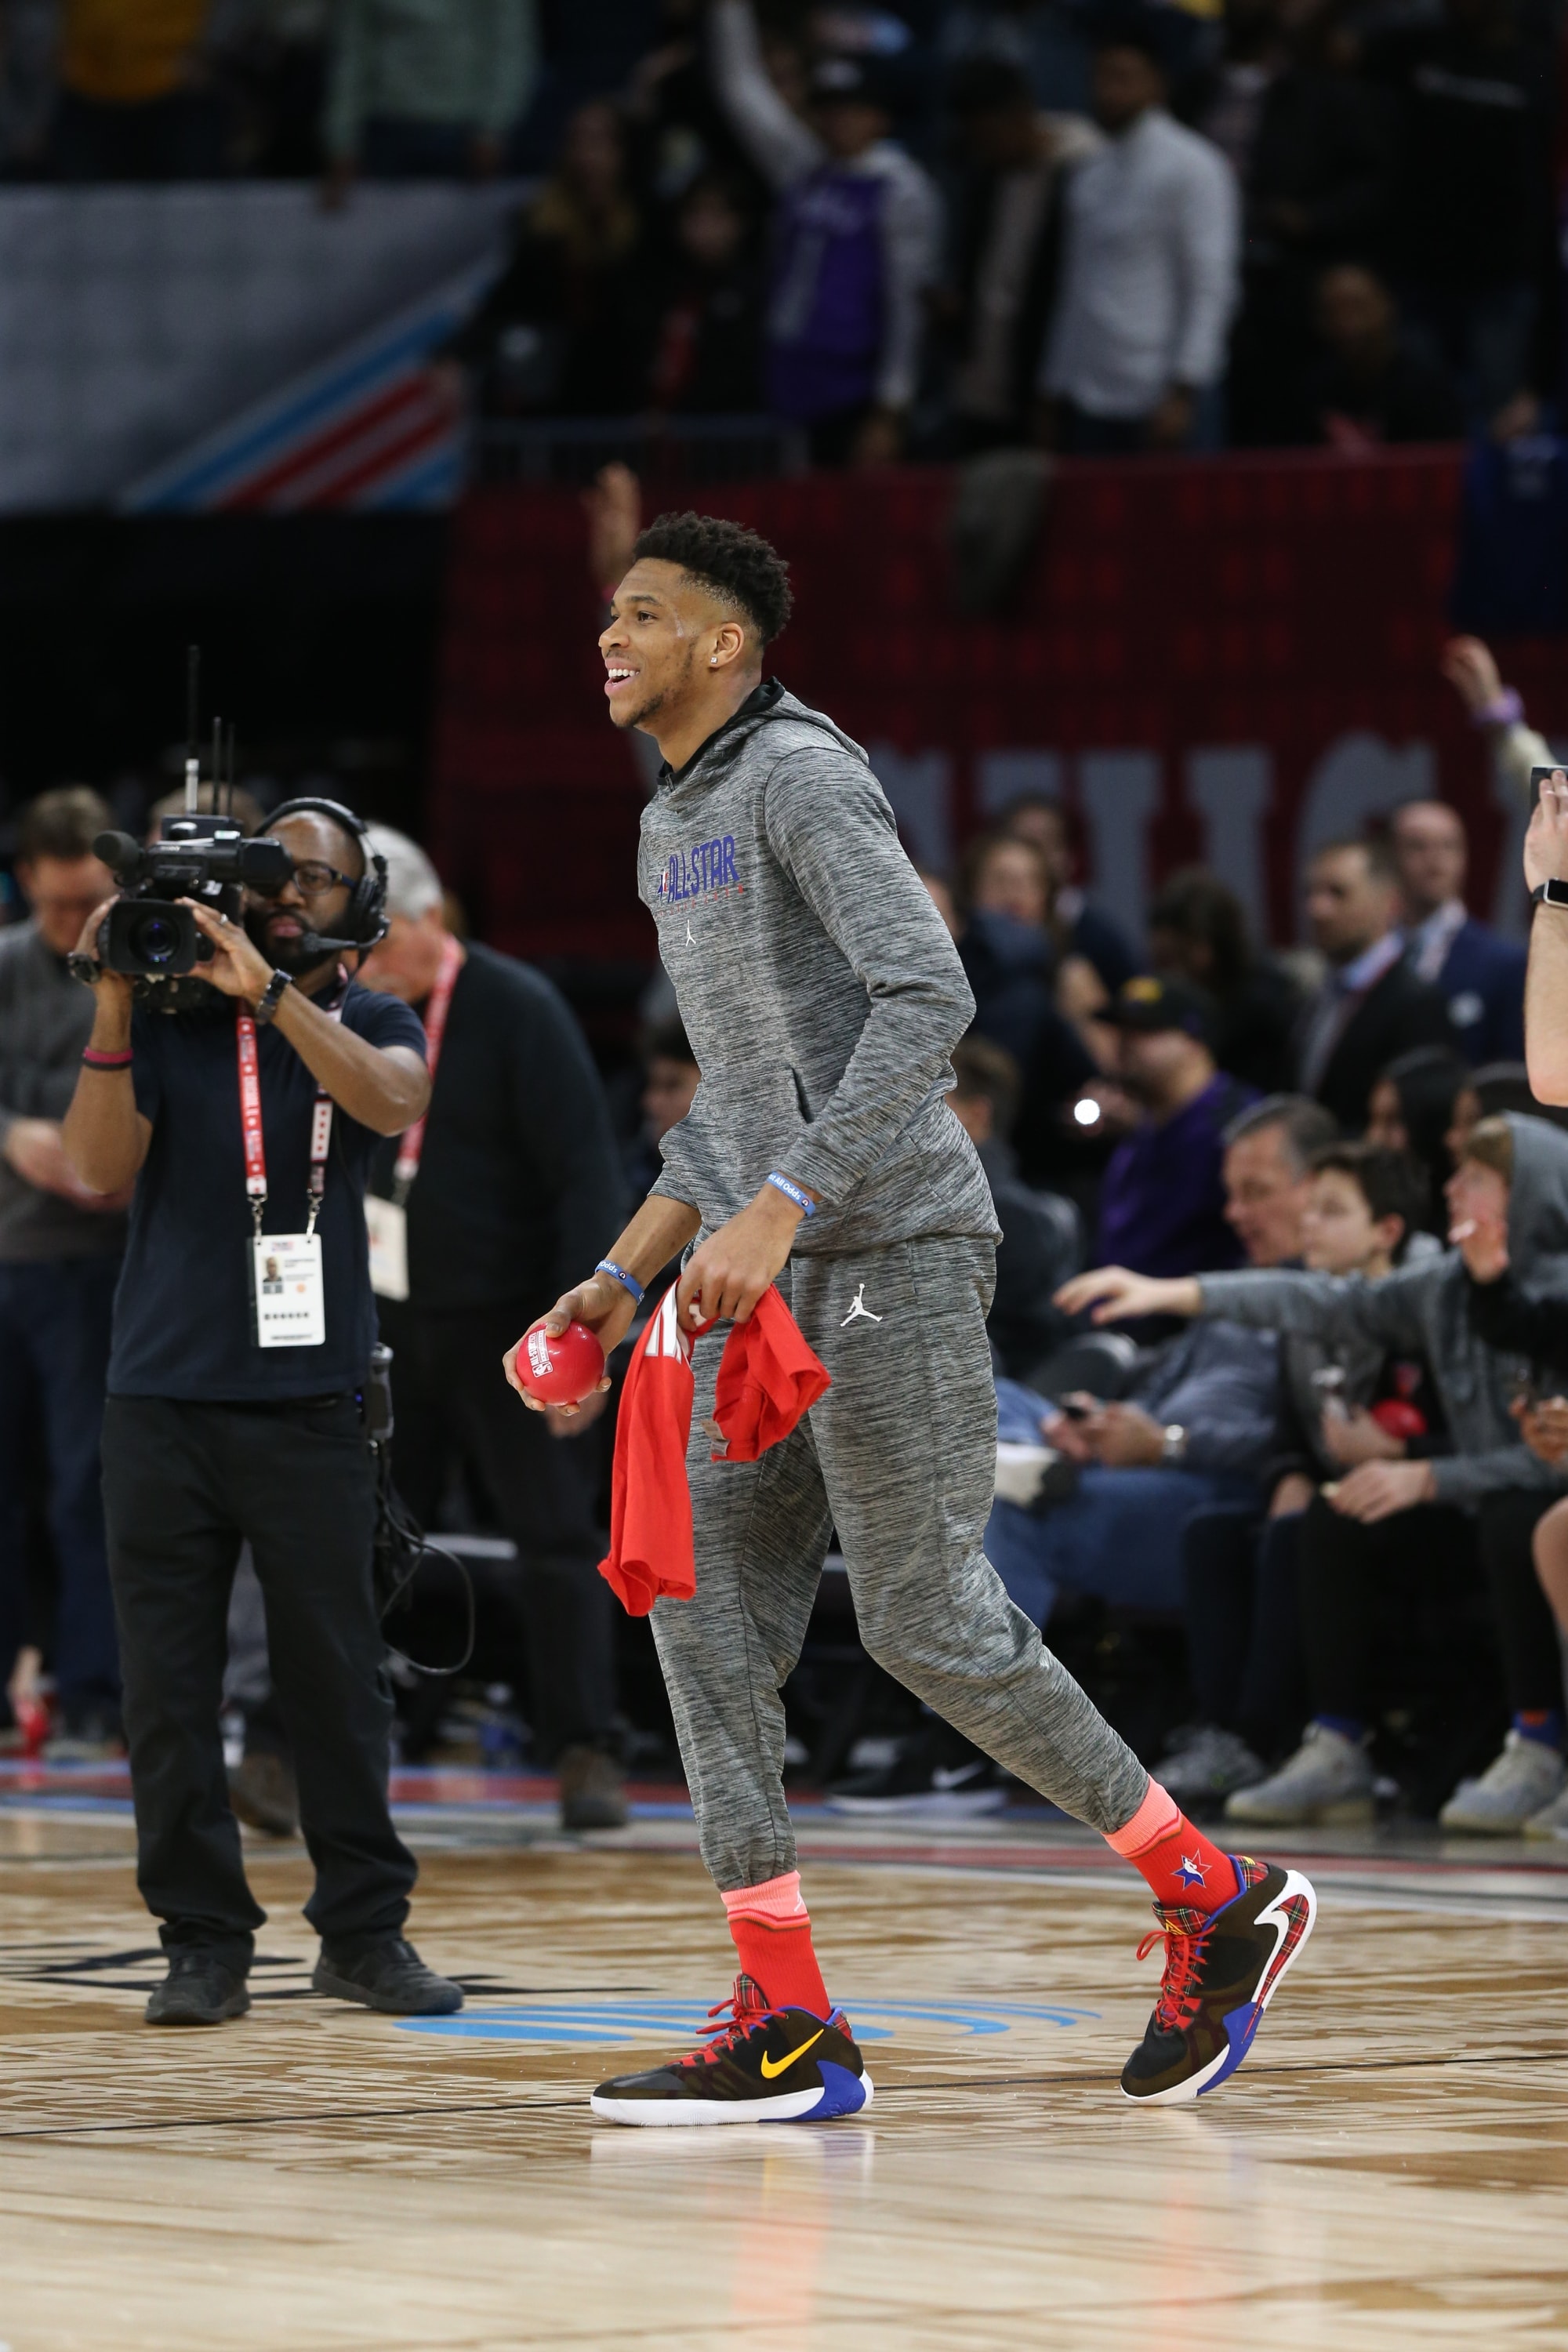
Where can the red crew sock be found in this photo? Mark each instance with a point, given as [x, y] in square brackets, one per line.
[772, 1928]
[1182, 1866]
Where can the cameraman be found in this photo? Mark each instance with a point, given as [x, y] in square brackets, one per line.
[213, 1434]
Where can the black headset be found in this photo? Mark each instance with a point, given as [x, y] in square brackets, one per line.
[365, 918]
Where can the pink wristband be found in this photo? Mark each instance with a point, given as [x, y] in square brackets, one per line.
[95, 1059]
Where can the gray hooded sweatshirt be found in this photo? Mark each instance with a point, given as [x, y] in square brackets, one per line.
[1423, 1309]
[819, 988]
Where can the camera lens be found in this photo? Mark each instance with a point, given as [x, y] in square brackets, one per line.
[157, 941]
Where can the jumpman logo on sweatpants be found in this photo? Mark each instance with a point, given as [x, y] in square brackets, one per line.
[858, 1307]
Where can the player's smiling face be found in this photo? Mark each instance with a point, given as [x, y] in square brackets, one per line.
[659, 628]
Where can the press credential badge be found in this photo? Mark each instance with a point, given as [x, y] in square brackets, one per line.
[290, 1296]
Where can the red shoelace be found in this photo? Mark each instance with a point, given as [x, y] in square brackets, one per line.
[1178, 1989]
[732, 2019]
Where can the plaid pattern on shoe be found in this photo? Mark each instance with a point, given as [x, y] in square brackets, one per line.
[1222, 1970]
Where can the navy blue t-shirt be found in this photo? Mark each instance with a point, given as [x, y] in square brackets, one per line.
[184, 1322]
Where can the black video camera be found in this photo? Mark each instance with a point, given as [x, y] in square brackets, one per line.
[147, 933]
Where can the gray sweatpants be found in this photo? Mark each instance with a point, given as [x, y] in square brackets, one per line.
[898, 1456]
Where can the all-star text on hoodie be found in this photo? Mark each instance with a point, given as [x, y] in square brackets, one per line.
[1424, 1309]
[819, 988]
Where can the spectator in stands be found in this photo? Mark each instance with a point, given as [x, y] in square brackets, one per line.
[1078, 926]
[1149, 270]
[276, 56]
[1533, 1324]
[1199, 931]
[424, 90]
[1161, 1203]
[1310, 153]
[1040, 1242]
[1475, 226]
[517, 1177]
[28, 87]
[1006, 248]
[1372, 382]
[60, 1248]
[670, 1088]
[704, 303]
[1412, 1108]
[136, 95]
[1401, 1532]
[1499, 711]
[560, 329]
[1372, 1006]
[856, 233]
[1481, 975]
[1337, 1407]
[943, 900]
[1008, 954]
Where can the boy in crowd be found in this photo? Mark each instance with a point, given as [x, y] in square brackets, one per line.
[1394, 1529]
[1244, 1640]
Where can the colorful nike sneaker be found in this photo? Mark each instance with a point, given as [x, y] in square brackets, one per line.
[759, 2065]
[1222, 1970]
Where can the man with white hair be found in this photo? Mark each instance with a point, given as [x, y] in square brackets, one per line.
[478, 1218]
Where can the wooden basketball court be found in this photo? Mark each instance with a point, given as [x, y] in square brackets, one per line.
[1390, 2169]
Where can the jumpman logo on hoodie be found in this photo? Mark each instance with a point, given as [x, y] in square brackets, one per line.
[858, 1307]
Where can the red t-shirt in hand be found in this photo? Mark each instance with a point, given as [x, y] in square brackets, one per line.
[767, 1378]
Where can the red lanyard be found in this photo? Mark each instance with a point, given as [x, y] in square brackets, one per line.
[436, 1011]
[250, 1128]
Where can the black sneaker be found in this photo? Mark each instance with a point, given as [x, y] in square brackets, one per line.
[199, 1989]
[1222, 1970]
[389, 1976]
[936, 1775]
[760, 2066]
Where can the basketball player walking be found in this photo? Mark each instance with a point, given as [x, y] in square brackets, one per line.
[823, 996]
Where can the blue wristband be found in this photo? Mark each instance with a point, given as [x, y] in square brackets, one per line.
[803, 1201]
[619, 1274]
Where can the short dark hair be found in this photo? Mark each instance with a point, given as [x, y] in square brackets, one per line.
[990, 1073]
[1133, 28]
[1305, 1125]
[1378, 850]
[1392, 1183]
[668, 1042]
[738, 565]
[62, 823]
[1195, 905]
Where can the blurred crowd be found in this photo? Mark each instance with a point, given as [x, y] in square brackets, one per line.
[1292, 1517]
[926, 231]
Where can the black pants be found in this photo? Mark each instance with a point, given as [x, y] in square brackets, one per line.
[54, 1321]
[1526, 1629]
[183, 1484]
[1244, 1625]
[1384, 1604]
[451, 1398]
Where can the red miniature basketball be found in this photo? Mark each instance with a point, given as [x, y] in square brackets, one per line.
[560, 1370]
[1400, 1419]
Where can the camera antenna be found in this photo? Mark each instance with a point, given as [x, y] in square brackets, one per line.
[228, 804]
[217, 761]
[193, 703]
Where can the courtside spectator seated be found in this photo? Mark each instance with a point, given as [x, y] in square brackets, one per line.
[1337, 1407]
[1041, 1241]
[1161, 1201]
[1389, 1558]
[1079, 926]
[1420, 1105]
[1481, 975]
[1372, 1007]
[1198, 932]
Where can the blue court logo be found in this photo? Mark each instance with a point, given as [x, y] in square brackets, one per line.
[607, 2024]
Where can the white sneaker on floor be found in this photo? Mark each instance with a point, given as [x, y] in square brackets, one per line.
[1328, 1781]
[1207, 1763]
[1523, 1779]
[1552, 1820]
